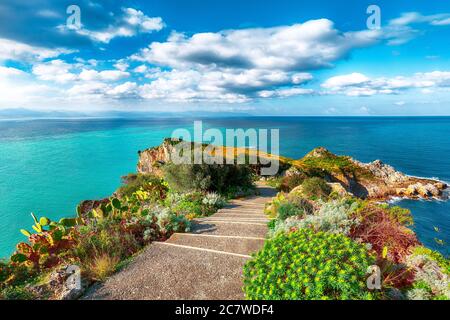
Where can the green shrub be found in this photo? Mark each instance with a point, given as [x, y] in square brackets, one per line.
[443, 262]
[333, 217]
[288, 209]
[275, 182]
[146, 182]
[292, 181]
[304, 265]
[205, 177]
[16, 293]
[399, 214]
[215, 200]
[301, 202]
[316, 188]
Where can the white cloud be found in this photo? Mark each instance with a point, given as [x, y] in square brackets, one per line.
[140, 69]
[357, 84]
[6, 72]
[129, 24]
[18, 88]
[345, 80]
[399, 30]
[54, 70]
[14, 50]
[105, 75]
[240, 65]
[121, 65]
[127, 89]
[225, 86]
[311, 45]
[409, 18]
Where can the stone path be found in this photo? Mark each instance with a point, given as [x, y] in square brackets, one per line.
[204, 264]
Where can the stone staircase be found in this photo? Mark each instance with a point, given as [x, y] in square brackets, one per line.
[204, 264]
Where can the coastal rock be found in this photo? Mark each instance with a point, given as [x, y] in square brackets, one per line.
[338, 189]
[150, 160]
[374, 180]
[385, 172]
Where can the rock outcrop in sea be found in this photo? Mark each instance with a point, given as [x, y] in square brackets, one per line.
[374, 180]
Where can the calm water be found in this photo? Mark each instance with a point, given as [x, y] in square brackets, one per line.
[48, 166]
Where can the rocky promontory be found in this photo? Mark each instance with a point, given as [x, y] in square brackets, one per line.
[375, 180]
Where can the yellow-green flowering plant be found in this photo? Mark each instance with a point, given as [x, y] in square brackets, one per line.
[305, 265]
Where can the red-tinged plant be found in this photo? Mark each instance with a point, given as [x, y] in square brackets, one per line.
[28, 254]
[395, 275]
[389, 239]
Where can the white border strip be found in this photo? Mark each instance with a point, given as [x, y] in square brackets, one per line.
[218, 236]
[204, 249]
[235, 222]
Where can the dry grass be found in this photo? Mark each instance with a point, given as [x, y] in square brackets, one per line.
[102, 266]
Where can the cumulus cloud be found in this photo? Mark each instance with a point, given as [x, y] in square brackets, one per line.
[129, 24]
[357, 84]
[14, 50]
[105, 75]
[299, 47]
[54, 70]
[239, 65]
[17, 85]
[221, 85]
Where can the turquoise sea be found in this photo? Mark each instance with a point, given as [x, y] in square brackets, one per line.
[49, 166]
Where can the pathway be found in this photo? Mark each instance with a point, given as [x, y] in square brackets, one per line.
[204, 264]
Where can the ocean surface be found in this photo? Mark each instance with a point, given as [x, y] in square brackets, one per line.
[49, 166]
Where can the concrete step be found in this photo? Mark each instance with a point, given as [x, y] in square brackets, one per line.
[233, 219]
[237, 244]
[229, 229]
[240, 215]
[236, 211]
[247, 203]
[164, 272]
[237, 216]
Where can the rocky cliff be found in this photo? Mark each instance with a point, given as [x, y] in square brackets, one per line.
[151, 160]
[374, 180]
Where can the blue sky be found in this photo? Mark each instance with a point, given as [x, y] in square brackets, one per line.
[260, 57]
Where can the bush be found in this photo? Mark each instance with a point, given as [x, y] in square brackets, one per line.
[333, 217]
[304, 265]
[431, 281]
[399, 214]
[204, 177]
[146, 182]
[17, 293]
[301, 202]
[384, 233]
[214, 200]
[292, 181]
[287, 210]
[316, 188]
[104, 239]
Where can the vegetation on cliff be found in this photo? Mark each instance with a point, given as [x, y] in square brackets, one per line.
[100, 240]
[325, 233]
[325, 247]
